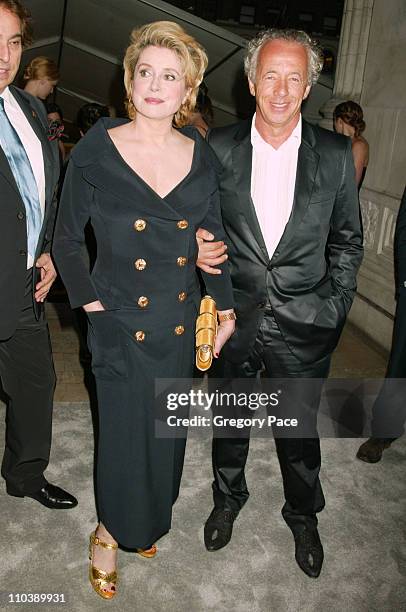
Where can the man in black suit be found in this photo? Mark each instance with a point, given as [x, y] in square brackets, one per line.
[28, 178]
[291, 214]
[389, 409]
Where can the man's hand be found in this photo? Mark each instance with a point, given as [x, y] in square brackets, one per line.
[210, 253]
[48, 275]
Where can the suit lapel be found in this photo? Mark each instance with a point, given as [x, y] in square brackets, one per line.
[307, 164]
[242, 164]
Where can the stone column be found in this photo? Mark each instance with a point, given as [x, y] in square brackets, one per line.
[351, 58]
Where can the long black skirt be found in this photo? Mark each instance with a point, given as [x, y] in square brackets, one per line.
[137, 474]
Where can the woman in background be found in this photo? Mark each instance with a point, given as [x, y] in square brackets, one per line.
[349, 120]
[147, 184]
[41, 75]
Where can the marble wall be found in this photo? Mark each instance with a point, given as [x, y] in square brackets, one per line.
[383, 98]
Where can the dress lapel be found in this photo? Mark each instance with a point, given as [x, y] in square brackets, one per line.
[107, 173]
[105, 168]
[242, 163]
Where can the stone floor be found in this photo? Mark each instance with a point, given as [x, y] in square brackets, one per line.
[355, 357]
[66, 348]
[363, 526]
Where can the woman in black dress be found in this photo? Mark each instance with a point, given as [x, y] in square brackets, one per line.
[349, 120]
[146, 184]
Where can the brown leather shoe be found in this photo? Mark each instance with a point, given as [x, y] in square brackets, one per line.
[371, 450]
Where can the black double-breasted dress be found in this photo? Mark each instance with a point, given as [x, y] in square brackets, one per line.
[145, 276]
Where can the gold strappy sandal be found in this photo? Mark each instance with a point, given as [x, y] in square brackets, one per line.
[100, 579]
[148, 552]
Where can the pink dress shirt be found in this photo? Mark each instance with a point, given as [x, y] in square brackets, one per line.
[273, 178]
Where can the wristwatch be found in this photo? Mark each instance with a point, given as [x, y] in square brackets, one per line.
[229, 316]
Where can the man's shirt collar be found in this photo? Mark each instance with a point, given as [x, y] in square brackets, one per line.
[259, 144]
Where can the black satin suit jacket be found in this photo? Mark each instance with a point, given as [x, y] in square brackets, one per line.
[13, 229]
[310, 280]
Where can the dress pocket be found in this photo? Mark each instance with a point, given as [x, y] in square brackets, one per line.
[107, 346]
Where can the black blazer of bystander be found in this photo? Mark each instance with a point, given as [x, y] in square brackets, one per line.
[397, 361]
[13, 229]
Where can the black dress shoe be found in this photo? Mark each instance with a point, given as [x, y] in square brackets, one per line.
[52, 496]
[309, 551]
[371, 450]
[218, 528]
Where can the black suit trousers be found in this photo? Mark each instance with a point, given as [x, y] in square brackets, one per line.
[299, 458]
[389, 410]
[28, 380]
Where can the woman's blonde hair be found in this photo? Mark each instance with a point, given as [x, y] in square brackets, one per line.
[41, 67]
[191, 54]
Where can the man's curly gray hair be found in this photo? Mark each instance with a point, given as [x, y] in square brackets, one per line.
[314, 52]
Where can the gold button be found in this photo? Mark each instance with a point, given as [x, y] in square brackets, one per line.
[140, 264]
[139, 336]
[182, 296]
[179, 329]
[143, 301]
[181, 261]
[182, 224]
[140, 225]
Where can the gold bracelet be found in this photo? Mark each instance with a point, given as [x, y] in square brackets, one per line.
[230, 316]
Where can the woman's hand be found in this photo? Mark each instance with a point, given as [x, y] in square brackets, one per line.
[93, 306]
[225, 330]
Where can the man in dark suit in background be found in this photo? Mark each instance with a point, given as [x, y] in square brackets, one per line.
[29, 172]
[389, 409]
[290, 210]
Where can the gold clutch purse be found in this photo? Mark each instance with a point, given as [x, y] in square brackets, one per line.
[206, 331]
